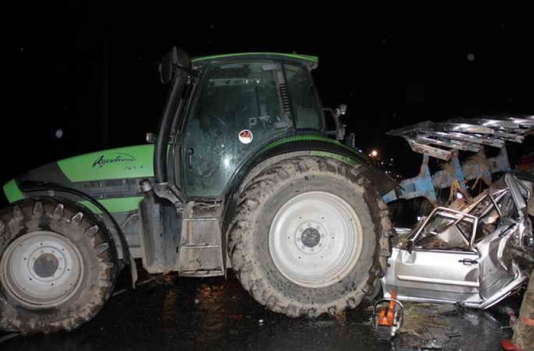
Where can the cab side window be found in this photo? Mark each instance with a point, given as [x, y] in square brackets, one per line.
[305, 109]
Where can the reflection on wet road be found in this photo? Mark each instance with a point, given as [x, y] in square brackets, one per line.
[213, 314]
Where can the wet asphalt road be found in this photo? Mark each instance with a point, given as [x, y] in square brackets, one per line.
[213, 314]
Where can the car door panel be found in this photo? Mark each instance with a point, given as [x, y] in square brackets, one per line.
[433, 274]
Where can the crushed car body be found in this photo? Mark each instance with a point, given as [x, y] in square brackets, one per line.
[477, 250]
[468, 255]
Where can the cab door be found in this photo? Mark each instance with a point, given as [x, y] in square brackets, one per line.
[237, 108]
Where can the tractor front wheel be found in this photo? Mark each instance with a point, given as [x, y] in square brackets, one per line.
[57, 266]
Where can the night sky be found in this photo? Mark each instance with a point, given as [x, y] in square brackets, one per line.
[90, 68]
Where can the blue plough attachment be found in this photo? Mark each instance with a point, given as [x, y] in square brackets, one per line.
[444, 141]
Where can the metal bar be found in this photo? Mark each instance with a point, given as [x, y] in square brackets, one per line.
[510, 137]
[462, 127]
[427, 125]
[429, 150]
[459, 174]
[469, 138]
[451, 143]
[493, 123]
[526, 121]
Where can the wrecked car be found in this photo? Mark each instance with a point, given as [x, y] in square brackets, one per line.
[474, 253]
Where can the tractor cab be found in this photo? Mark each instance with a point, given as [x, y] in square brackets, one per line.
[240, 105]
[225, 109]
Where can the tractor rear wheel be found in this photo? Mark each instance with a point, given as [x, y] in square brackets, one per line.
[310, 237]
[58, 266]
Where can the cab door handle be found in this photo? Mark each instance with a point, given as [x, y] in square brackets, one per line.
[190, 153]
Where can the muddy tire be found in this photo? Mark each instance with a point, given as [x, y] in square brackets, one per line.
[282, 243]
[58, 266]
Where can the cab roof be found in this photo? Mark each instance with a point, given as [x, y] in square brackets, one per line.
[311, 61]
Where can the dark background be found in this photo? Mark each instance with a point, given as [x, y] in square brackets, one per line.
[90, 68]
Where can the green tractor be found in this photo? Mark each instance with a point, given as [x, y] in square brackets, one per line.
[242, 174]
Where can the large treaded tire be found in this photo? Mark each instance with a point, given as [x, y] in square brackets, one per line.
[258, 204]
[96, 250]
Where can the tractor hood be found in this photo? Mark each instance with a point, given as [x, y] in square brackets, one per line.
[102, 173]
[128, 162]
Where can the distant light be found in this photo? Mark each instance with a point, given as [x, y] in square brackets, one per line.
[226, 161]
[59, 133]
[21, 49]
[471, 57]
[374, 153]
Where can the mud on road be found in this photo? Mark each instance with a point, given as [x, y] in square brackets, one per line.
[214, 314]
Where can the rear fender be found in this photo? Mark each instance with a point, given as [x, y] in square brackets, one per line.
[293, 147]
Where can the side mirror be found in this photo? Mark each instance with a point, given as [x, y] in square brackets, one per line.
[174, 59]
[340, 127]
[166, 66]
